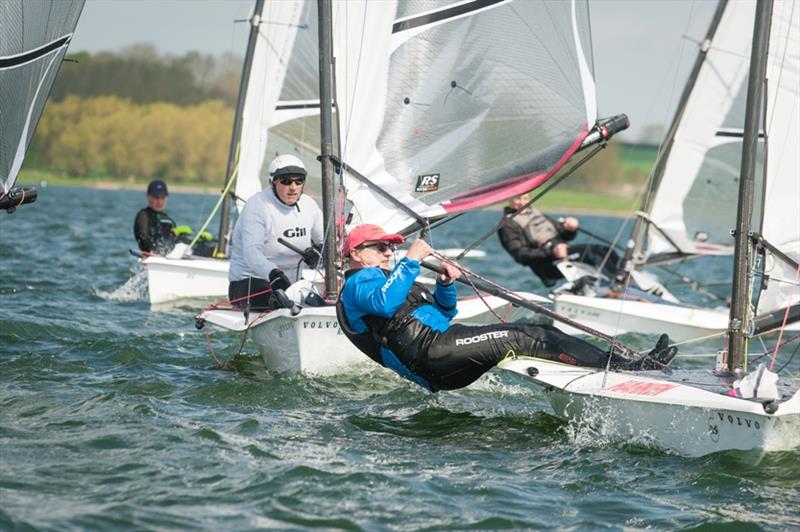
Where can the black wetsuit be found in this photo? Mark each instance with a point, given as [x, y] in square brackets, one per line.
[399, 324]
[153, 231]
[519, 237]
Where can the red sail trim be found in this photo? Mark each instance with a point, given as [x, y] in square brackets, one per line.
[510, 187]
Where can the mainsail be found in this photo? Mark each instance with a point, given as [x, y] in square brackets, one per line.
[34, 36]
[452, 106]
[277, 28]
[780, 221]
[691, 214]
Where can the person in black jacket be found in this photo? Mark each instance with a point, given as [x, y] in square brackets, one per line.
[156, 232]
[153, 228]
[538, 241]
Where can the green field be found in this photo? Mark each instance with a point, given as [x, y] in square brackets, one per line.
[637, 156]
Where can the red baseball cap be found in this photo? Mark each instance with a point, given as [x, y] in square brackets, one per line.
[366, 232]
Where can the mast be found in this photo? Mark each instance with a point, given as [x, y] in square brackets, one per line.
[326, 148]
[663, 156]
[225, 215]
[739, 313]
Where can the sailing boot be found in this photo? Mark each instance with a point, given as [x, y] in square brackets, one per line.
[661, 355]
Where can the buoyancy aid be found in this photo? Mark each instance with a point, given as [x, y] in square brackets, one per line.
[538, 227]
[403, 334]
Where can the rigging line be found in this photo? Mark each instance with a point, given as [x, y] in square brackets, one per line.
[505, 219]
[505, 293]
[791, 357]
[785, 318]
[700, 338]
[225, 191]
[394, 201]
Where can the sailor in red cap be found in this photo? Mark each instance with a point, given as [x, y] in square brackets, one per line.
[399, 324]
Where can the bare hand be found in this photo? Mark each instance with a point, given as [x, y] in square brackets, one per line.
[560, 250]
[450, 274]
[418, 250]
[571, 224]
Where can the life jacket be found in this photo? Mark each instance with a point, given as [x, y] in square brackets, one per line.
[404, 335]
[537, 227]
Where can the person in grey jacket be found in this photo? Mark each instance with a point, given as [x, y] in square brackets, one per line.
[535, 240]
[259, 263]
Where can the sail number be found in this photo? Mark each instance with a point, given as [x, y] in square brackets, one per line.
[635, 387]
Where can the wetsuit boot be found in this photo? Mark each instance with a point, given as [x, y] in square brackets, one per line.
[661, 355]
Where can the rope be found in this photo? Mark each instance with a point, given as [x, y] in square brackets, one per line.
[486, 303]
[785, 318]
[222, 196]
[540, 308]
[228, 305]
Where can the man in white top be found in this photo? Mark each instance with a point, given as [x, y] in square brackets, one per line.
[259, 263]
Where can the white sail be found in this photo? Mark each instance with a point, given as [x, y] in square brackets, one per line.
[695, 206]
[34, 36]
[295, 126]
[781, 218]
[455, 105]
[278, 26]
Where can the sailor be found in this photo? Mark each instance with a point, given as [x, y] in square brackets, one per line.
[153, 228]
[155, 231]
[399, 324]
[536, 240]
[260, 264]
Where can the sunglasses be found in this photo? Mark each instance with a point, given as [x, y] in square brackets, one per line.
[286, 181]
[380, 247]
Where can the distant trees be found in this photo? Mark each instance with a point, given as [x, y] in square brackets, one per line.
[619, 169]
[115, 137]
[141, 75]
[139, 115]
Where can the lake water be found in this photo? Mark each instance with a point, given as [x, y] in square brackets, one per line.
[113, 416]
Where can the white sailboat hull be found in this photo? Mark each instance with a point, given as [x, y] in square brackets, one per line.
[311, 342]
[667, 414]
[193, 277]
[618, 316]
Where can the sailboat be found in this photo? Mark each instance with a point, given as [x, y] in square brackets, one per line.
[440, 111]
[687, 214]
[274, 28]
[734, 407]
[35, 39]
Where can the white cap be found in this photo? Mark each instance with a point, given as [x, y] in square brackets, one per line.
[286, 165]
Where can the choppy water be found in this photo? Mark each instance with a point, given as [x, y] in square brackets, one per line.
[112, 416]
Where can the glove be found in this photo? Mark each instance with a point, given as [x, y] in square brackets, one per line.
[312, 255]
[205, 236]
[278, 280]
[182, 230]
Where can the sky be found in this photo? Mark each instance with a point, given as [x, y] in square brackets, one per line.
[643, 48]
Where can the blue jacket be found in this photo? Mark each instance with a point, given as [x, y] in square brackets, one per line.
[370, 291]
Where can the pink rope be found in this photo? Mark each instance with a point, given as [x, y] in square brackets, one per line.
[785, 318]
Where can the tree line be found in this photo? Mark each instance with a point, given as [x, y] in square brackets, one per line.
[139, 115]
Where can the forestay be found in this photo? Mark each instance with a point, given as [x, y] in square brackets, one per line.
[781, 215]
[34, 35]
[453, 106]
[695, 207]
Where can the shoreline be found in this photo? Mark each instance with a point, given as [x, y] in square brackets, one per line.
[213, 191]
